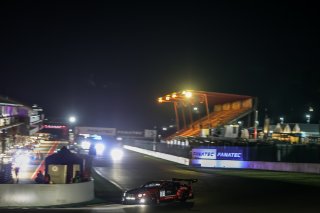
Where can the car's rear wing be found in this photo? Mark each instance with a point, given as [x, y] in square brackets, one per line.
[187, 180]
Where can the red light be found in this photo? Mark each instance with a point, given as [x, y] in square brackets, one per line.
[54, 127]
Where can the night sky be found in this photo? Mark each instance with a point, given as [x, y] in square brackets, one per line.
[107, 63]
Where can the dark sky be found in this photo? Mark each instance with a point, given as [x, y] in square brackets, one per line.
[107, 62]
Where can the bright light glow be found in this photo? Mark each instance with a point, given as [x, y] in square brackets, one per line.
[139, 195]
[85, 144]
[307, 116]
[22, 161]
[85, 135]
[142, 200]
[195, 108]
[99, 148]
[167, 97]
[72, 119]
[164, 129]
[130, 198]
[116, 154]
[96, 137]
[188, 94]
[174, 95]
[119, 138]
[160, 100]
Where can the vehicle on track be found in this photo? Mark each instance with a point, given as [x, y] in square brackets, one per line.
[158, 191]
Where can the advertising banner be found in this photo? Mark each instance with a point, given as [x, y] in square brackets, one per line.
[218, 153]
[130, 134]
[96, 131]
[150, 133]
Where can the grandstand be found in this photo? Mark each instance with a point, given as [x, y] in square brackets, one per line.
[221, 109]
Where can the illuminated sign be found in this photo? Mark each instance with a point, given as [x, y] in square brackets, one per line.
[54, 126]
[96, 131]
[124, 133]
[204, 154]
[218, 153]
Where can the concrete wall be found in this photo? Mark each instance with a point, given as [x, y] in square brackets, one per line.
[45, 194]
[164, 156]
[273, 166]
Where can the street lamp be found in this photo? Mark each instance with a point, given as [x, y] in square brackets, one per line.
[72, 119]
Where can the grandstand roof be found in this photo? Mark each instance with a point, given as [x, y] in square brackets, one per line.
[198, 96]
[220, 98]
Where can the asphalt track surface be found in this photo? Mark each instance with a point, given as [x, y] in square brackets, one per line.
[213, 192]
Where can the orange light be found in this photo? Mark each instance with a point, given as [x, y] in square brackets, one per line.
[188, 94]
[174, 95]
[167, 97]
[160, 100]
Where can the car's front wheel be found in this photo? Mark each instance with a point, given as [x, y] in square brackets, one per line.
[154, 200]
[184, 197]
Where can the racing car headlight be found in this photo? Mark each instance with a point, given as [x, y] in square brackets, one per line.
[99, 148]
[85, 144]
[142, 200]
[141, 195]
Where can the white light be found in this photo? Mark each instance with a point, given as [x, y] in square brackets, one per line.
[22, 161]
[119, 138]
[99, 148]
[116, 154]
[142, 200]
[96, 137]
[85, 145]
[164, 129]
[195, 108]
[130, 198]
[139, 195]
[72, 119]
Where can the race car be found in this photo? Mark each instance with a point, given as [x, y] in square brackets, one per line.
[155, 192]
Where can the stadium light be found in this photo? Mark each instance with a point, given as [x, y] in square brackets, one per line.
[72, 119]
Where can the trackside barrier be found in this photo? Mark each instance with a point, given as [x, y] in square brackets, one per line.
[259, 165]
[45, 194]
[180, 160]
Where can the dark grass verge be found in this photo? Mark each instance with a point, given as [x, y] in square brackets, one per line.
[280, 176]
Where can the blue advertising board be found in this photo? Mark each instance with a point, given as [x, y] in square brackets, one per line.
[218, 153]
